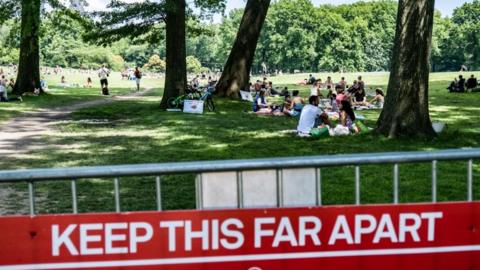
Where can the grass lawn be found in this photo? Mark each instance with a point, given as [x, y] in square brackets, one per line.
[138, 132]
[61, 96]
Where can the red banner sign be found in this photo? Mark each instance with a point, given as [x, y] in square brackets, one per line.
[430, 236]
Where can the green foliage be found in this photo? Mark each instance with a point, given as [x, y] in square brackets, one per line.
[155, 63]
[193, 64]
[297, 36]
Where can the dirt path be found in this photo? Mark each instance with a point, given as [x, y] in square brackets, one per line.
[24, 134]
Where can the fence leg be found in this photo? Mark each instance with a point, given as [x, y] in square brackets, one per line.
[470, 180]
[116, 183]
[74, 196]
[31, 198]
[280, 202]
[318, 178]
[434, 181]
[240, 190]
[395, 184]
[158, 188]
[199, 191]
[357, 185]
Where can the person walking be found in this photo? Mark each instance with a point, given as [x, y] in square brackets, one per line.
[138, 77]
[103, 74]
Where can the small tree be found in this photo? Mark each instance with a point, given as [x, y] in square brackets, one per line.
[193, 64]
[155, 63]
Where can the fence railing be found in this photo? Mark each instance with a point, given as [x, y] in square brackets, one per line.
[240, 166]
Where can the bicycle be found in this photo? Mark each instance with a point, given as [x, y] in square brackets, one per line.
[207, 98]
[193, 94]
[177, 102]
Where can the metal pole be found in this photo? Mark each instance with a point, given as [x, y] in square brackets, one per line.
[395, 183]
[31, 198]
[117, 195]
[198, 184]
[434, 181]
[240, 189]
[470, 180]
[159, 193]
[74, 196]
[318, 178]
[280, 188]
[357, 185]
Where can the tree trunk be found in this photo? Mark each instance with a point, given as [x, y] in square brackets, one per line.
[236, 74]
[176, 70]
[28, 77]
[406, 111]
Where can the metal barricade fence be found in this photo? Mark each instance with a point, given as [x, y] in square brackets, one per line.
[240, 166]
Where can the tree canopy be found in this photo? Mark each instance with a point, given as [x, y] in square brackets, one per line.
[297, 36]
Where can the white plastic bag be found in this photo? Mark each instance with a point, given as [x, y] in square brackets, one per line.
[341, 131]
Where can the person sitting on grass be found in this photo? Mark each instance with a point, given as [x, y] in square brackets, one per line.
[329, 82]
[3, 90]
[315, 91]
[341, 96]
[342, 83]
[472, 83]
[359, 98]
[260, 106]
[453, 86]
[311, 80]
[89, 83]
[379, 100]
[44, 84]
[347, 116]
[461, 84]
[287, 103]
[309, 117]
[296, 105]
[354, 88]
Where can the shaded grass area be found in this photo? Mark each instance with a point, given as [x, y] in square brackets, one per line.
[138, 132]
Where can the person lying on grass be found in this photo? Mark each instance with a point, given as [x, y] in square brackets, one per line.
[310, 117]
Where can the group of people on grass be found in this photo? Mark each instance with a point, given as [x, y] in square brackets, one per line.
[461, 85]
[5, 86]
[322, 110]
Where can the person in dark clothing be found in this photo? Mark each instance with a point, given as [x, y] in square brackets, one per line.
[461, 84]
[472, 83]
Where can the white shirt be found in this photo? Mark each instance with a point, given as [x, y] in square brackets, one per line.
[314, 91]
[103, 73]
[307, 118]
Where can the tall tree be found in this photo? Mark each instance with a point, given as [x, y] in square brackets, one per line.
[236, 73]
[145, 22]
[176, 71]
[28, 77]
[406, 111]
